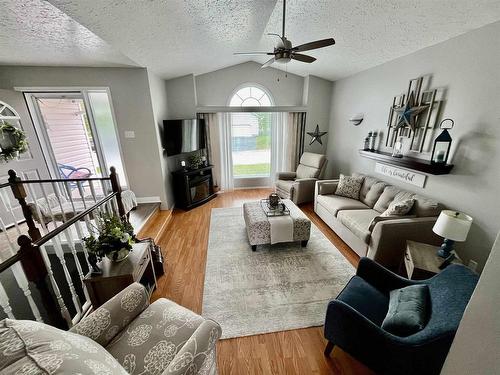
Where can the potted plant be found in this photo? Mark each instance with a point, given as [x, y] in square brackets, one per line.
[194, 161]
[115, 240]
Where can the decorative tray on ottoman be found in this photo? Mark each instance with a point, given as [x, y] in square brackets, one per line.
[282, 209]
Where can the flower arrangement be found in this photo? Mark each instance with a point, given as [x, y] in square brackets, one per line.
[115, 239]
[12, 141]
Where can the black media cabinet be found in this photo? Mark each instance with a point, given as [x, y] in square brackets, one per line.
[193, 187]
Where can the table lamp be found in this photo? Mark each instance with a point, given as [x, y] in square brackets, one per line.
[452, 226]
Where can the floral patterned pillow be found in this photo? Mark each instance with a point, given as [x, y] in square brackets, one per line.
[32, 348]
[349, 186]
[399, 208]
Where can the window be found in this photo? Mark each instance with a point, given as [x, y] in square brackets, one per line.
[250, 96]
[251, 134]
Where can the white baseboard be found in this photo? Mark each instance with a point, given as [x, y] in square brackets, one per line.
[164, 206]
[252, 187]
[148, 200]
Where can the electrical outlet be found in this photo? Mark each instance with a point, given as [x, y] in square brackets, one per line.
[472, 265]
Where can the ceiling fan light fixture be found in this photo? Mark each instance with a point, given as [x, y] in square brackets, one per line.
[284, 51]
[283, 60]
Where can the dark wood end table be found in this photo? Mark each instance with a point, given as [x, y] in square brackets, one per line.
[137, 267]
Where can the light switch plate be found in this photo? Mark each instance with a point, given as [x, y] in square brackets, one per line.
[129, 134]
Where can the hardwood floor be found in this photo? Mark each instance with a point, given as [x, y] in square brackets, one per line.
[184, 243]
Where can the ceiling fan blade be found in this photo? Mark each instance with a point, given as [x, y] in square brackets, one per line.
[253, 53]
[268, 63]
[313, 45]
[303, 58]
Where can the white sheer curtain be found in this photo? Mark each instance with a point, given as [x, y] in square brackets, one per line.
[287, 142]
[226, 152]
[287, 145]
[279, 144]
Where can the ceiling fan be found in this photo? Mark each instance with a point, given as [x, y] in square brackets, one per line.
[284, 52]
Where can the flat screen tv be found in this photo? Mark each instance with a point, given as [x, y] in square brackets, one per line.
[181, 136]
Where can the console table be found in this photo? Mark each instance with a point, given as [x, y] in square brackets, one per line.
[116, 276]
[193, 187]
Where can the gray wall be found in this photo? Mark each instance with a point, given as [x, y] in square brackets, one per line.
[133, 109]
[466, 69]
[215, 88]
[317, 95]
[182, 97]
[158, 89]
[479, 326]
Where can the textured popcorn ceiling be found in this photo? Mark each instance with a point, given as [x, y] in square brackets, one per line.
[177, 37]
[33, 32]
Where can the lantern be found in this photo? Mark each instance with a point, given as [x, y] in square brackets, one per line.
[442, 143]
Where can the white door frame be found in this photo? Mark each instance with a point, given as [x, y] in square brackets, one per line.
[32, 92]
[41, 127]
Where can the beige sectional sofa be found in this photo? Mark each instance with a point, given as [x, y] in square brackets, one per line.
[358, 221]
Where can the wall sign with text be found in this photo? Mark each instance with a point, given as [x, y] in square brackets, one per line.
[400, 174]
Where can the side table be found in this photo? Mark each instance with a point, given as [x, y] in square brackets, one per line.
[137, 267]
[420, 261]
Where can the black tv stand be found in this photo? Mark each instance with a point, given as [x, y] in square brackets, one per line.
[193, 187]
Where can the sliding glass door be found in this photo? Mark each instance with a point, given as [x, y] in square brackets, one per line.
[77, 133]
[68, 135]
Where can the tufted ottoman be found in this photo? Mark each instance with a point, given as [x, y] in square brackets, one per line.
[259, 229]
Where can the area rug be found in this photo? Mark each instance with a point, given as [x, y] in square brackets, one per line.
[276, 288]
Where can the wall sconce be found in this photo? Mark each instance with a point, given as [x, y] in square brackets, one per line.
[356, 119]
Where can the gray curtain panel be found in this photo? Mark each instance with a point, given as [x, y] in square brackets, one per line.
[212, 142]
[297, 126]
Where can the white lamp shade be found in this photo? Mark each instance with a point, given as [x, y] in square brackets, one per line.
[452, 225]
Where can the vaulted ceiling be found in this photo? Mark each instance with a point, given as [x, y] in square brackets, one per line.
[34, 32]
[178, 37]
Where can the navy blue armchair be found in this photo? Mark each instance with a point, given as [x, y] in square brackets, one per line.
[353, 320]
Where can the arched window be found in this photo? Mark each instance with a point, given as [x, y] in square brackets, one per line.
[7, 113]
[251, 96]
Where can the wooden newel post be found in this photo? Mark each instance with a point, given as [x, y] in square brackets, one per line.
[36, 272]
[115, 185]
[20, 194]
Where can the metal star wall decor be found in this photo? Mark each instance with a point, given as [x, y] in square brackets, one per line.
[414, 115]
[316, 136]
[408, 113]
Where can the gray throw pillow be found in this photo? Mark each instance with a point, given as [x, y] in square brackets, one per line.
[30, 347]
[408, 310]
[349, 186]
[399, 208]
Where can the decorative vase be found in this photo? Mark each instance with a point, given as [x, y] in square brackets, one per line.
[274, 200]
[120, 255]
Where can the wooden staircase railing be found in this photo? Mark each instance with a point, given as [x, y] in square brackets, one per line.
[42, 261]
